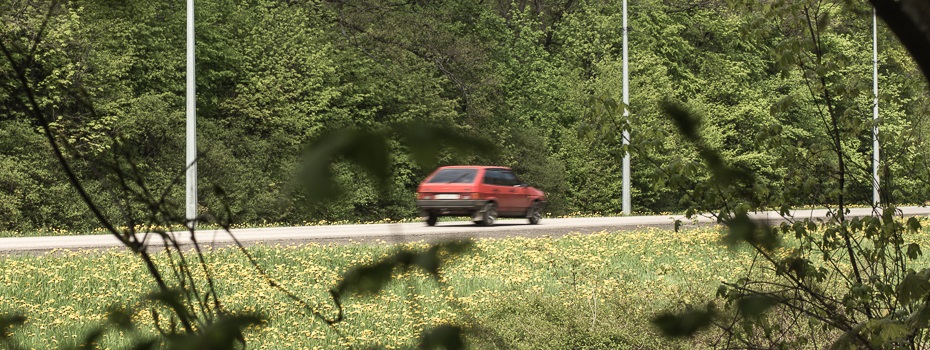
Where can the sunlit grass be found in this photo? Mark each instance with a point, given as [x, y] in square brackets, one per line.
[596, 290]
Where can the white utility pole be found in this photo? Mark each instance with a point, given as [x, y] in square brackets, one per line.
[191, 188]
[875, 197]
[626, 115]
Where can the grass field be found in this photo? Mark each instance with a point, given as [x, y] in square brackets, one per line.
[590, 291]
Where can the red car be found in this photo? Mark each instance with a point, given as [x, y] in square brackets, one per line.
[482, 192]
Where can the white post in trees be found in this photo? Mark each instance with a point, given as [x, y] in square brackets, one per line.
[875, 196]
[191, 176]
[626, 114]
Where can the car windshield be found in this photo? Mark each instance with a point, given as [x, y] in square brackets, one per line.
[459, 176]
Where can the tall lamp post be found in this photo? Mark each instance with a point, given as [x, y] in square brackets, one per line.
[191, 175]
[626, 114]
[875, 148]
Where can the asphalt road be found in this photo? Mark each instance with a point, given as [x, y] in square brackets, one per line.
[405, 232]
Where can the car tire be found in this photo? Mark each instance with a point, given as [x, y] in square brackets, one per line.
[488, 214]
[535, 214]
[431, 219]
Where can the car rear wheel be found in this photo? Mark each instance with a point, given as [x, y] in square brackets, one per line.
[431, 219]
[535, 214]
[488, 214]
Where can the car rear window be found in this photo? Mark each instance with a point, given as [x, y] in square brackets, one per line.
[458, 176]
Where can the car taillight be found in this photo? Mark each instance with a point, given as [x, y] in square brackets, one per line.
[425, 196]
[471, 196]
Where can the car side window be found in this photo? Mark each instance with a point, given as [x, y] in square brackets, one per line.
[509, 179]
[491, 177]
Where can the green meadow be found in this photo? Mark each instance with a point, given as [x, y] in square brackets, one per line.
[577, 291]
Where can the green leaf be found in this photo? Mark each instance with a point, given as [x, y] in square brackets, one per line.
[371, 278]
[688, 124]
[885, 331]
[722, 291]
[611, 105]
[683, 324]
[120, 317]
[914, 287]
[364, 148]
[913, 251]
[456, 247]
[823, 21]
[782, 105]
[8, 321]
[689, 214]
[442, 337]
[223, 334]
[755, 305]
[147, 344]
[888, 216]
[921, 317]
[425, 141]
[367, 279]
[846, 340]
[687, 121]
[856, 224]
[799, 229]
[91, 338]
[431, 259]
[785, 210]
[913, 225]
[744, 229]
[172, 299]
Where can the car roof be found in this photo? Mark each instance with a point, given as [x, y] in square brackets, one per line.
[474, 167]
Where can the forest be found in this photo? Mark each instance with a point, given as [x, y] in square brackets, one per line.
[540, 80]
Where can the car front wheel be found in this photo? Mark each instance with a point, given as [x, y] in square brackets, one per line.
[431, 219]
[488, 214]
[535, 214]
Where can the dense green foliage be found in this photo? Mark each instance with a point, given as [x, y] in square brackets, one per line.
[857, 277]
[770, 100]
[274, 75]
